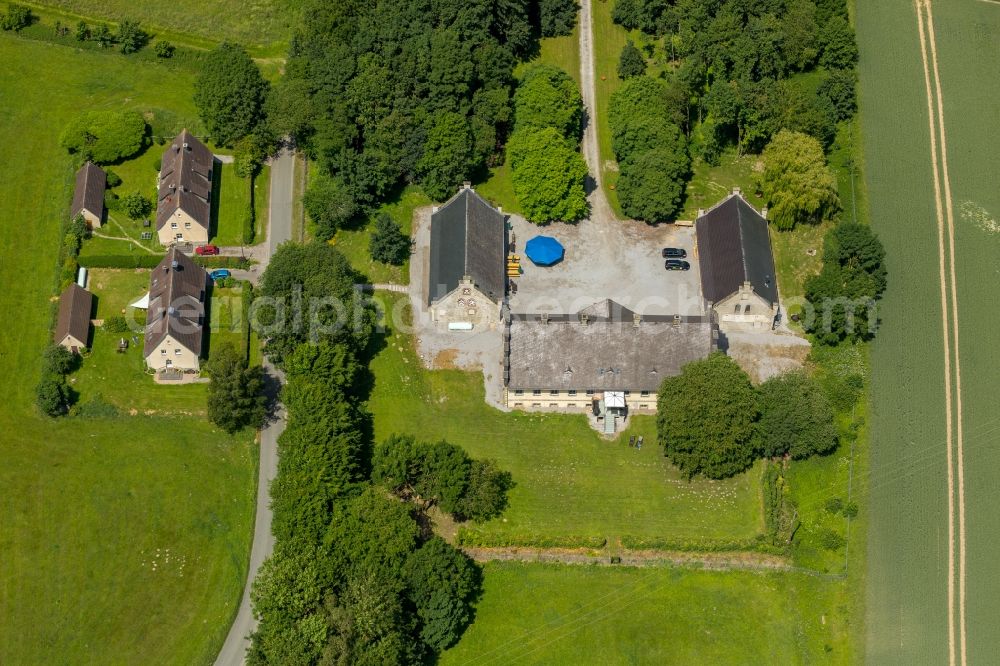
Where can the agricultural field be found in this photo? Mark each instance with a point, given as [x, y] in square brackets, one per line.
[92, 505]
[569, 481]
[263, 25]
[550, 614]
[909, 539]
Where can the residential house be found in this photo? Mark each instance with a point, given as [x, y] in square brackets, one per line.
[737, 267]
[73, 324]
[605, 356]
[184, 200]
[467, 279]
[176, 315]
[88, 196]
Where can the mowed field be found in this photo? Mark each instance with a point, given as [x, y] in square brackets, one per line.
[909, 527]
[124, 540]
[551, 614]
[569, 481]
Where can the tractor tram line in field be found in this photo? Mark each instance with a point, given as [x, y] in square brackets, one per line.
[952, 363]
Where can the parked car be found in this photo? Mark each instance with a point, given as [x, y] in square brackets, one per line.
[676, 265]
[219, 274]
[674, 253]
[210, 250]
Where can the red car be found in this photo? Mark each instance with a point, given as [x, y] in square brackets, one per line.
[206, 250]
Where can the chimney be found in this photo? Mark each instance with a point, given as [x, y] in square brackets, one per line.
[175, 264]
[677, 321]
[172, 311]
[584, 318]
[467, 185]
[763, 212]
[187, 146]
[737, 191]
[701, 212]
[544, 318]
[636, 318]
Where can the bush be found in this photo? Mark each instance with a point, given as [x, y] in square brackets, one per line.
[834, 505]
[631, 63]
[105, 136]
[388, 243]
[58, 360]
[17, 17]
[53, 395]
[830, 539]
[249, 221]
[82, 33]
[329, 205]
[163, 49]
[136, 206]
[116, 325]
[131, 37]
[851, 510]
[114, 180]
[796, 417]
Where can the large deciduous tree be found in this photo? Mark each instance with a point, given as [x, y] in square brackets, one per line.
[236, 393]
[448, 156]
[547, 97]
[651, 186]
[548, 175]
[230, 93]
[557, 17]
[796, 183]
[707, 417]
[104, 137]
[796, 417]
[329, 205]
[441, 582]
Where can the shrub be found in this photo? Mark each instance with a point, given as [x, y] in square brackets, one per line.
[53, 395]
[796, 417]
[388, 243]
[329, 205]
[17, 17]
[473, 538]
[115, 325]
[163, 49]
[105, 136]
[82, 33]
[851, 510]
[131, 37]
[834, 505]
[59, 361]
[830, 539]
[114, 180]
[631, 63]
[136, 206]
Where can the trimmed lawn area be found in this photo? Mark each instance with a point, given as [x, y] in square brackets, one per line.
[569, 481]
[234, 202]
[225, 321]
[354, 242]
[552, 614]
[609, 40]
[88, 502]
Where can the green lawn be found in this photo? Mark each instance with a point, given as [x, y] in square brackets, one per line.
[354, 242]
[233, 203]
[225, 321]
[89, 502]
[262, 25]
[570, 482]
[609, 40]
[551, 614]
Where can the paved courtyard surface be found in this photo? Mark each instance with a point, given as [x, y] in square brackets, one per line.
[620, 261]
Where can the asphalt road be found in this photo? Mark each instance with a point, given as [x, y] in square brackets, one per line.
[233, 652]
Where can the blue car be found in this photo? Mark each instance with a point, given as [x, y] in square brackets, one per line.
[219, 274]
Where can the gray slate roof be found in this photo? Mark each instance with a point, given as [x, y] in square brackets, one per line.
[75, 305]
[185, 180]
[176, 302]
[467, 238]
[608, 353]
[733, 248]
[91, 181]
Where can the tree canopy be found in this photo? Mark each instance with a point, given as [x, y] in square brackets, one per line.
[548, 97]
[796, 182]
[796, 417]
[329, 205]
[548, 175]
[105, 137]
[388, 243]
[651, 186]
[707, 417]
[557, 17]
[236, 393]
[631, 62]
[229, 93]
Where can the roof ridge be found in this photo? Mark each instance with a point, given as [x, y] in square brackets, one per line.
[743, 243]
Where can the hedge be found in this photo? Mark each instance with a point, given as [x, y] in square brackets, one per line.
[151, 260]
[475, 539]
[757, 544]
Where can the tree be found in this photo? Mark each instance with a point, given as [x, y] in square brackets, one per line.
[308, 295]
[229, 93]
[103, 36]
[486, 494]
[388, 243]
[441, 583]
[17, 17]
[547, 97]
[136, 206]
[800, 33]
[640, 134]
[249, 154]
[557, 17]
[236, 393]
[329, 205]
[839, 88]
[651, 186]
[707, 416]
[855, 247]
[796, 182]
[548, 176]
[104, 137]
[59, 360]
[639, 96]
[163, 49]
[631, 62]
[82, 33]
[840, 50]
[53, 395]
[796, 417]
[131, 37]
[448, 156]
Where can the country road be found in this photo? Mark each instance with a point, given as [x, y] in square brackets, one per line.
[233, 651]
[600, 209]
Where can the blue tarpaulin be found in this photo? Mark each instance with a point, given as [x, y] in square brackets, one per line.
[544, 250]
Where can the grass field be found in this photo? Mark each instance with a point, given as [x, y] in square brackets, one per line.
[264, 25]
[570, 482]
[609, 40]
[547, 614]
[88, 503]
[234, 202]
[907, 597]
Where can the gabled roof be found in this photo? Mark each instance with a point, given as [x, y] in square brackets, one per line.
[733, 248]
[467, 239]
[176, 302]
[91, 182]
[608, 353]
[75, 305]
[185, 181]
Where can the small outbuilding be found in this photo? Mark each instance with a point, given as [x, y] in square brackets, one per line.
[466, 274]
[73, 324]
[736, 263]
[88, 196]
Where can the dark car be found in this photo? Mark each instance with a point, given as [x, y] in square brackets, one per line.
[676, 265]
[674, 253]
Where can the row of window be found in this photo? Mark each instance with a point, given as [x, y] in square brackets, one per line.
[644, 394]
[173, 225]
[163, 352]
[568, 405]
